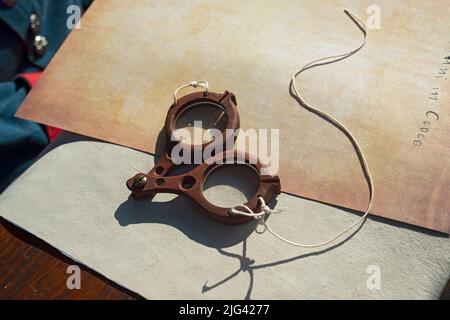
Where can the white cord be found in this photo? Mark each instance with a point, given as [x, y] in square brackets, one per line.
[194, 84]
[265, 210]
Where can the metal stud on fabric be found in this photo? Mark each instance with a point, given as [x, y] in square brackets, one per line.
[40, 45]
[35, 23]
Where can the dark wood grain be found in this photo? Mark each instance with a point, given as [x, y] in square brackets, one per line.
[31, 269]
[446, 293]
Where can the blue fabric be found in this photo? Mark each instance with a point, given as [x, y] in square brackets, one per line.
[21, 141]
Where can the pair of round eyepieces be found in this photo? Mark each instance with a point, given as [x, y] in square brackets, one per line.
[202, 123]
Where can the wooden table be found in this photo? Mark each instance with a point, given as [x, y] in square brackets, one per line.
[446, 293]
[31, 269]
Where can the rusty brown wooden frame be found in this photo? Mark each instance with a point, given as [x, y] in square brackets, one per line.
[190, 184]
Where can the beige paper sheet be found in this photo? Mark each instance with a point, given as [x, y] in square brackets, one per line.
[113, 80]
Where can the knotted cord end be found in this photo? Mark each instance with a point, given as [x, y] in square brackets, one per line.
[265, 211]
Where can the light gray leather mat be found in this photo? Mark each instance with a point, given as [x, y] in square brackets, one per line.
[74, 197]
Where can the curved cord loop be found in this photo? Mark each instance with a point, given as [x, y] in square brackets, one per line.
[265, 210]
[193, 84]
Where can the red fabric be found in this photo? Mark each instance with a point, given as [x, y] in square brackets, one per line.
[32, 78]
[53, 132]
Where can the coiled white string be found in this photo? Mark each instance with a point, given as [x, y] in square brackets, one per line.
[265, 210]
